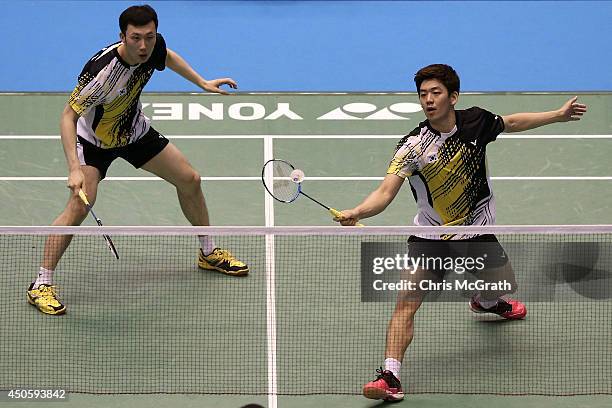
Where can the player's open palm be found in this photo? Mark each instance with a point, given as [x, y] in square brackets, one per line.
[214, 85]
[572, 110]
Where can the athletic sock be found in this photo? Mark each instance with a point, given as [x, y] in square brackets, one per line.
[394, 366]
[207, 243]
[487, 304]
[45, 277]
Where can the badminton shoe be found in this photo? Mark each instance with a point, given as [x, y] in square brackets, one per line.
[223, 261]
[385, 387]
[507, 308]
[44, 297]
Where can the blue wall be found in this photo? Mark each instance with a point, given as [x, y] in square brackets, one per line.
[326, 46]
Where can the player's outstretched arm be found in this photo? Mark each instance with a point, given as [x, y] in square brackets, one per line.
[570, 111]
[375, 203]
[176, 63]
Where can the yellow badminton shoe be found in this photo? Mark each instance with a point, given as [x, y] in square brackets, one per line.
[45, 299]
[223, 261]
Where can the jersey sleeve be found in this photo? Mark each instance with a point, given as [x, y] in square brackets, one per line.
[487, 124]
[158, 57]
[405, 160]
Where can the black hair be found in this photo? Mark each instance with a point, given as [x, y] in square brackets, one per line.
[137, 16]
[443, 73]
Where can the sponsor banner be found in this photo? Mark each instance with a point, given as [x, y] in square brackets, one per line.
[291, 114]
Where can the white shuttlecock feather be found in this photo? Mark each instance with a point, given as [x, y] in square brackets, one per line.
[297, 176]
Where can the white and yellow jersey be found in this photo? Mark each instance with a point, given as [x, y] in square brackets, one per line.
[448, 172]
[107, 96]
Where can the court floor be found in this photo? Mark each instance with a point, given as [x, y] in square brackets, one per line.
[537, 180]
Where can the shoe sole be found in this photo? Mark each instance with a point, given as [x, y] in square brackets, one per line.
[55, 313]
[495, 316]
[212, 268]
[517, 317]
[380, 394]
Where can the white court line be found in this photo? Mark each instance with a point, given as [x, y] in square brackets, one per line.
[560, 178]
[524, 136]
[378, 178]
[128, 178]
[503, 136]
[270, 281]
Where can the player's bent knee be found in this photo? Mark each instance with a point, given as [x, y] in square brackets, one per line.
[195, 178]
[78, 215]
[191, 180]
[407, 307]
[76, 211]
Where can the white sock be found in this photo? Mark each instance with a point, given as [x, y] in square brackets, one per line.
[394, 366]
[207, 243]
[45, 276]
[487, 304]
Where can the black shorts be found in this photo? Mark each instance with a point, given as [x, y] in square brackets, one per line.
[137, 153]
[484, 250]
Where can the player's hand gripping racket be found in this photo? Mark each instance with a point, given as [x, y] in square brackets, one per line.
[284, 182]
[109, 242]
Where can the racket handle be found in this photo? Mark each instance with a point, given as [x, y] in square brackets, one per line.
[84, 197]
[338, 214]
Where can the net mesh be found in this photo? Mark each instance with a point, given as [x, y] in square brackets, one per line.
[152, 322]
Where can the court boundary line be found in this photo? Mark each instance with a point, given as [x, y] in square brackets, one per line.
[315, 178]
[298, 136]
[570, 94]
[270, 282]
[307, 230]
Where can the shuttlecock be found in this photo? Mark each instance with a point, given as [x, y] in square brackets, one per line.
[297, 176]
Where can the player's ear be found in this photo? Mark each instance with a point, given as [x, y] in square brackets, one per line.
[454, 98]
[122, 37]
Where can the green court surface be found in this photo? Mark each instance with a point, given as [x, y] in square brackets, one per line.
[559, 175]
